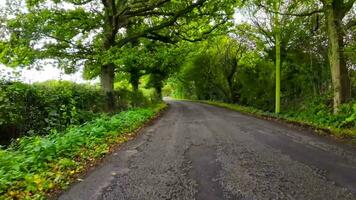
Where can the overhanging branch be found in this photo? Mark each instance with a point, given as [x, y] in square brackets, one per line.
[350, 24]
[146, 8]
[205, 33]
[168, 22]
[304, 14]
[79, 2]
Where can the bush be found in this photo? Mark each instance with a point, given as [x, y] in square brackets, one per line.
[54, 105]
[318, 111]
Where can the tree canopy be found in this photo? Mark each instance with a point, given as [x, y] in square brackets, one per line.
[310, 41]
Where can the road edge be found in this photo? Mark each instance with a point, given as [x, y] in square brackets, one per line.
[90, 166]
[336, 135]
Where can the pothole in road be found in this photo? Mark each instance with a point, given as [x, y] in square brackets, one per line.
[204, 171]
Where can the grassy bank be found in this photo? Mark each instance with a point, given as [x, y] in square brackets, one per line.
[35, 166]
[321, 127]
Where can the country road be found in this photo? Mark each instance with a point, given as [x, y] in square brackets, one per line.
[198, 151]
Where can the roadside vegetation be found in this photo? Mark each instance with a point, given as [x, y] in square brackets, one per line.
[37, 109]
[51, 131]
[281, 58]
[288, 59]
[230, 71]
[322, 121]
[34, 166]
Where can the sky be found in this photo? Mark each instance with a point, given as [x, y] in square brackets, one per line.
[52, 73]
[47, 73]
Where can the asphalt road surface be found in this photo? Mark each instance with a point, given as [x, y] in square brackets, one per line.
[198, 151]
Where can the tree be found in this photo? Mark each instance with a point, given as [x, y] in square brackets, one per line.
[89, 32]
[154, 59]
[270, 27]
[229, 53]
[134, 61]
[164, 63]
[276, 5]
[335, 11]
[212, 67]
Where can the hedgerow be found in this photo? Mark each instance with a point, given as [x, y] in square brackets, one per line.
[33, 166]
[29, 109]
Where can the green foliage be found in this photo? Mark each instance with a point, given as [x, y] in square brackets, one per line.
[305, 78]
[43, 107]
[51, 105]
[73, 35]
[316, 114]
[35, 165]
[318, 111]
[226, 70]
[351, 120]
[150, 59]
[139, 100]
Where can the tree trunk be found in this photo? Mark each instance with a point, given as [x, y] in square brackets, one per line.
[231, 92]
[135, 79]
[339, 72]
[230, 79]
[278, 56]
[107, 84]
[134, 84]
[159, 92]
[107, 75]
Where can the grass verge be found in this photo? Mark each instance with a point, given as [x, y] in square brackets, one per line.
[340, 133]
[35, 166]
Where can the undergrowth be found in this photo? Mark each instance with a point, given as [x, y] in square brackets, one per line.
[33, 166]
[320, 117]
